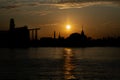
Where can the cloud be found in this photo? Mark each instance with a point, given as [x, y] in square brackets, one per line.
[49, 25]
[81, 1]
[61, 4]
[10, 7]
[83, 4]
[39, 13]
[66, 4]
[45, 7]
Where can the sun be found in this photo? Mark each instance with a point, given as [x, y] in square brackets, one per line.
[68, 27]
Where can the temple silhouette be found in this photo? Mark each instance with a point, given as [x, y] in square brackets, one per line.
[74, 40]
[20, 37]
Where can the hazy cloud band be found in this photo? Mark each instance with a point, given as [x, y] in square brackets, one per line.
[61, 4]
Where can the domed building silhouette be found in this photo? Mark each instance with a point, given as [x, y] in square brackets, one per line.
[78, 36]
[76, 39]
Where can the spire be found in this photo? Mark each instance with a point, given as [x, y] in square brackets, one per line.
[82, 32]
[82, 27]
[54, 35]
[83, 36]
[12, 24]
[59, 35]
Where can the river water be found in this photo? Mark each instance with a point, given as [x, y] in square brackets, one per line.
[95, 63]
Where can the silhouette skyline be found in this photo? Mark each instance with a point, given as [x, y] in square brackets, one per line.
[59, 39]
[20, 37]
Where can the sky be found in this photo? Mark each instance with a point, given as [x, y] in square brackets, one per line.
[99, 18]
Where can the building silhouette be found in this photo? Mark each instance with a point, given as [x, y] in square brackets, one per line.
[19, 37]
[4, 38]
[59, 36]
[77, 39]
[54, 34]
[83, 36]
[14, 37]
[12, 24]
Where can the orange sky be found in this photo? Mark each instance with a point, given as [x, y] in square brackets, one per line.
[99, 18]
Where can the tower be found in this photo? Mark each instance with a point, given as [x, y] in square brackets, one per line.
[83, 36]
[59, 35]
[54, 35]
[82, 32]
[12, 24]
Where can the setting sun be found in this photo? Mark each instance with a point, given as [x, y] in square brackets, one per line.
[68, 27]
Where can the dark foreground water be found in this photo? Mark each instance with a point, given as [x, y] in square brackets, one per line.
[97, 63]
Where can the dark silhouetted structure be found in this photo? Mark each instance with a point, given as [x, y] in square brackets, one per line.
[4, 38]
[15, 37]
[12, 24]
[77, 39]
[20, 37]
[34, 33]
[54, 34]
[34, 40]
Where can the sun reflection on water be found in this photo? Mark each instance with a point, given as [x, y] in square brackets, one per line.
[69, 66]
